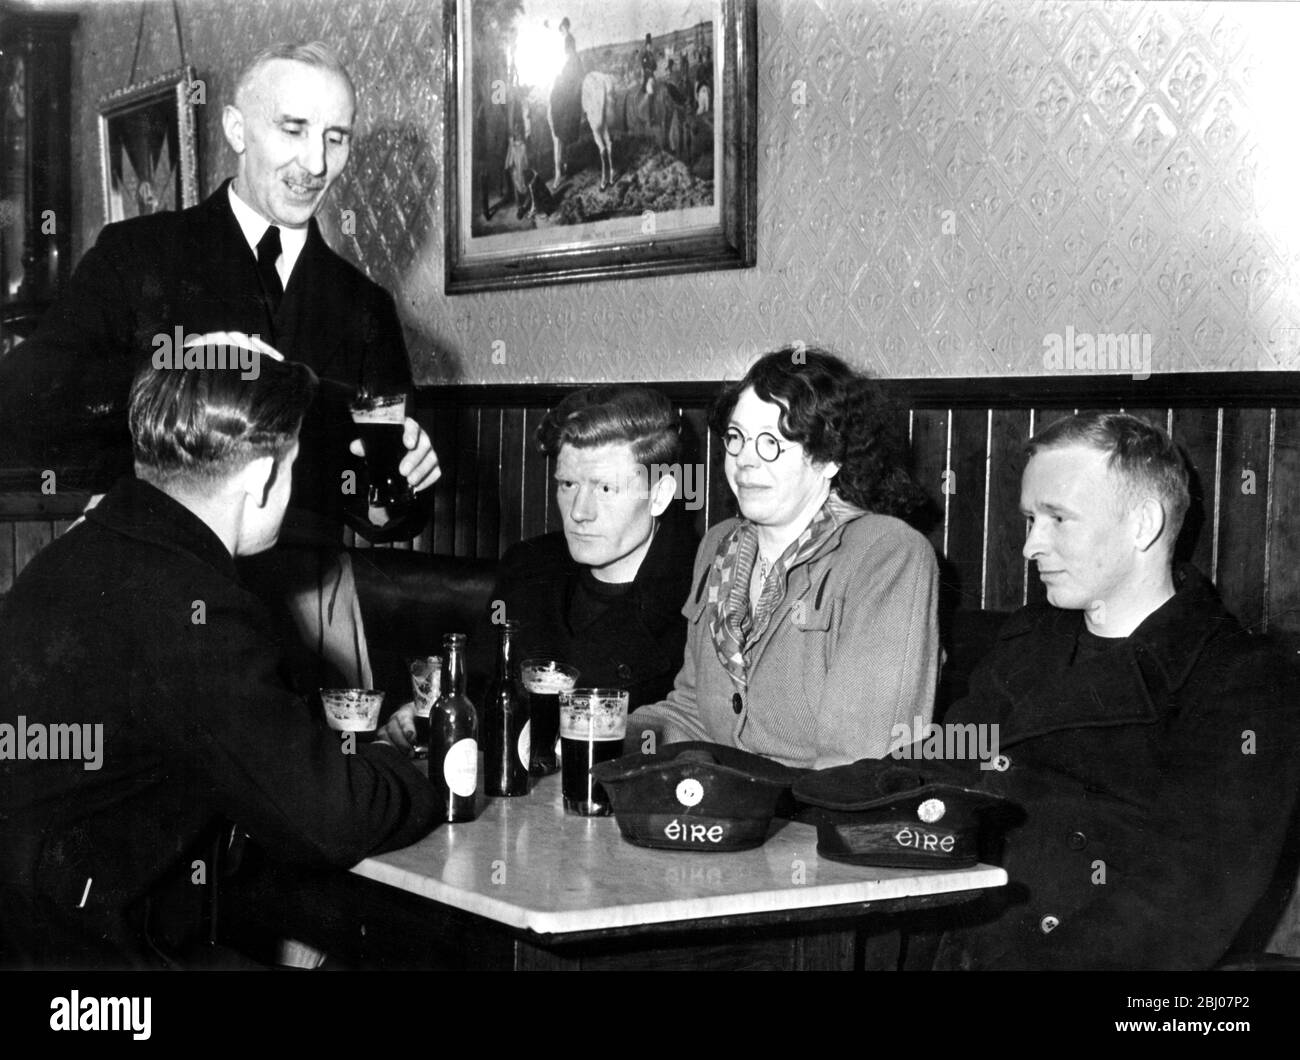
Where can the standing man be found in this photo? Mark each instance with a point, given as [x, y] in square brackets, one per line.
[131, 646]
[1150, 740]
[249, 259]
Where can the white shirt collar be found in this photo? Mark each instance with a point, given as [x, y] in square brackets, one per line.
[254, 227]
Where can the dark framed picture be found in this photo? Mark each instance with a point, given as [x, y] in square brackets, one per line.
[598, 139]
[148, 147]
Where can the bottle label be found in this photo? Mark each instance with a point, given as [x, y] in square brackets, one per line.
[460, 767]
[525, 745]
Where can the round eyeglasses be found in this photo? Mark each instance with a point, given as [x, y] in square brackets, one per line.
[765, 445]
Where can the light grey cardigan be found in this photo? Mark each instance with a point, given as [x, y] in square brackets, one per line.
[851, 652]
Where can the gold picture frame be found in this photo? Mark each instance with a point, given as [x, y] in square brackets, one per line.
[148, 146]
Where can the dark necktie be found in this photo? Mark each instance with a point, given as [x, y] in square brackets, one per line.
[268, 249]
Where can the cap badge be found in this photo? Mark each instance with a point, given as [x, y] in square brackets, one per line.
[690, 791]
[931, 810]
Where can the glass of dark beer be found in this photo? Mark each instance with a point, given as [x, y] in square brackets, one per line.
[380, 420]
[352, 710]
[426, 687]
[544, 680]
[593, 722]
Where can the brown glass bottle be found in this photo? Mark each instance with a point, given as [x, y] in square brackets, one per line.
[506, 728]
[453, 736]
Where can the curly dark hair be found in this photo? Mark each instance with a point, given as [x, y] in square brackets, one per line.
[836, 414]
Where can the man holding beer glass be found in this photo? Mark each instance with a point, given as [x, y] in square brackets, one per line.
[251, 259]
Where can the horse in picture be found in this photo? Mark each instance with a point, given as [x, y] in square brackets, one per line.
[595, 101]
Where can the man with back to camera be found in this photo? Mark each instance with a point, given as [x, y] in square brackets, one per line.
[248, 259]
[135, 629]
[605, 595]
[1149, 739]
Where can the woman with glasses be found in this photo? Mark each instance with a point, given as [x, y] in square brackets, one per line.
[812, 630]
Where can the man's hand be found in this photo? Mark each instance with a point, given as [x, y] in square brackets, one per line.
[400, 730]
[420, 465]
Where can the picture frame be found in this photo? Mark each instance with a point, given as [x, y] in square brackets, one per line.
[148, 146]
[675, 187]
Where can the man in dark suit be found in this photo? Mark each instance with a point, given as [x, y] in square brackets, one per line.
[1150, 740]
[249, 259]
[604, 595]
[142, 700]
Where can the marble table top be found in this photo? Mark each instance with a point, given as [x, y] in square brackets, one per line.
[525, 863]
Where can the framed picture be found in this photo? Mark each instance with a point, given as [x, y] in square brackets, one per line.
[598, 139]
[148, 147]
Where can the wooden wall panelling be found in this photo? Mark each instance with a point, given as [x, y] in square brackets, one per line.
[554, 521]
[1197, 431]
[442, 428]
[929, 461]
[1243, 512]
[1004, 584]
[968, 453]
[695, 467]
[29, 539]
[510, 494]
[538, 489]
[488, 485]
[467, 481]
[1283, 602]
[8, 566]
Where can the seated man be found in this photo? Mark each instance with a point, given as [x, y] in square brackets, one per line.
[141, 691]
[606, 594]
[1150, 740]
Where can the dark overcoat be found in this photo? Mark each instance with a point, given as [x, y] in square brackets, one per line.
[63, 392]
[1156, 779]
[636, 643]
[136, 621]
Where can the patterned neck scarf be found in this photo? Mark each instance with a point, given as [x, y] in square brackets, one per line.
[734, 629]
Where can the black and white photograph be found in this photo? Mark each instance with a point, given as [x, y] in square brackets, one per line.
[662, 486]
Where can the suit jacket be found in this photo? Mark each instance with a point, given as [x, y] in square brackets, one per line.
[63, 392]
[636, 643]
[136, 621]
[1156, 780]
[851, 651]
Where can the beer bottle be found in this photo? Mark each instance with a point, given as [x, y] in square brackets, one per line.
[506, 728]
[453, 736]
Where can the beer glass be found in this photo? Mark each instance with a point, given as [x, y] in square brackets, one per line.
[544, 679]
[354, 710]
[380, 421]
[426, 687]
[593, 722]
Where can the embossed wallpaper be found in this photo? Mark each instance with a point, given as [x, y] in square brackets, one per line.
[946, 188]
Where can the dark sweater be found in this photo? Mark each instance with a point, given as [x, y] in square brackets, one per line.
[631, 639]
